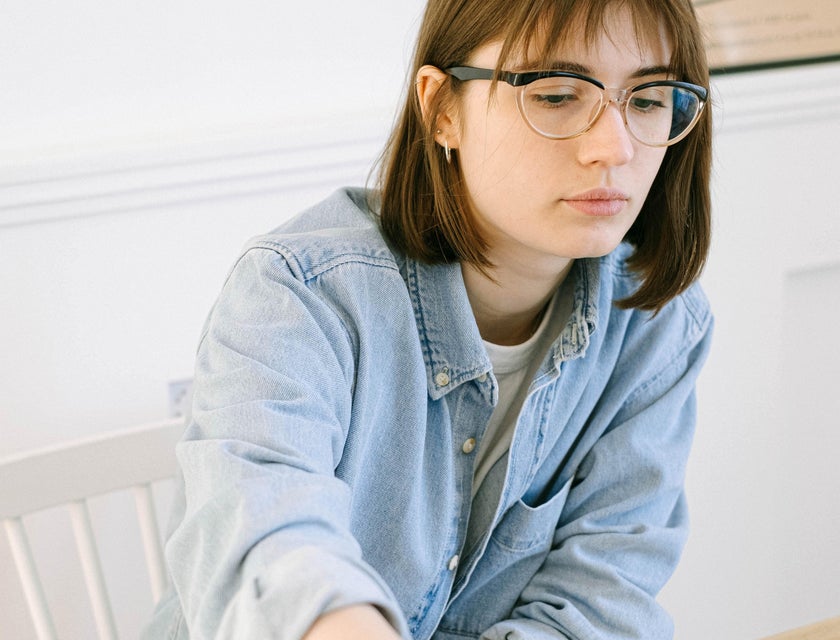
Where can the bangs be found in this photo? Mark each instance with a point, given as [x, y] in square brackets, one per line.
[535, 30]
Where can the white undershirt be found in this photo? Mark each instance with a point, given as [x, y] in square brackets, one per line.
[514, 368]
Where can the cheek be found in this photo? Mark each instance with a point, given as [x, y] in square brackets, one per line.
[506, 164]
[493, 141]
[654, 157]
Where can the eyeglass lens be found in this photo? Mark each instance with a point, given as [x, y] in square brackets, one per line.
[564, 107]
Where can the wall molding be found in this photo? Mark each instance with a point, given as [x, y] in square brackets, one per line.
[746, 102]
[130, 178]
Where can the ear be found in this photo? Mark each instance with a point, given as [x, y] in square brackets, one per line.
[428, 82]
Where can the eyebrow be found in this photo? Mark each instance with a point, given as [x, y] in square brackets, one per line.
[574, 67]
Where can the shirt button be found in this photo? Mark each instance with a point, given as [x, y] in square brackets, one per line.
[482, 377]
[453, 562]
[442, 379]
[469, 446]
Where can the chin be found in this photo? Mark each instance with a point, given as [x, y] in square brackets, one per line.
[594, 240]
[597, 248]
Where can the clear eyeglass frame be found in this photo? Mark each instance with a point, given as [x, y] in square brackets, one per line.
[621, 97]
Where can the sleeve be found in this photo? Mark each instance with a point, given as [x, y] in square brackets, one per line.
[264, 546]
[624, 523]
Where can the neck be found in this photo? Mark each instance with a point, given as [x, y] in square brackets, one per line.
[508, 306]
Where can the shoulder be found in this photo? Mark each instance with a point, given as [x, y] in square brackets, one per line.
[327, 267]
[641, 355]
[690, 310]
[649, 351]
[340, 230]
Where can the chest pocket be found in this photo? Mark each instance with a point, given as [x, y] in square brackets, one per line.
[515, 552]
[525, 527]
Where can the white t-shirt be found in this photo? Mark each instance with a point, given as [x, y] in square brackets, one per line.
[514, 368]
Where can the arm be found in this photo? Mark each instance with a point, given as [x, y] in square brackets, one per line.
[624, 523]
[352, 623]
[264, 546]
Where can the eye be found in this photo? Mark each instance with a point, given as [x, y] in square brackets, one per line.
[646, 104]
[652, 99]
[557, 94]
[553, 99]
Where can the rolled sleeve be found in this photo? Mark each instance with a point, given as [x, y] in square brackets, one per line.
[270, 607]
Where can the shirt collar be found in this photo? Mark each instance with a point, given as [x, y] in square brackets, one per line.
[574, 339]
[452, 347]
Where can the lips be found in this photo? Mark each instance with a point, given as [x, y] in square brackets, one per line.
[599, 202]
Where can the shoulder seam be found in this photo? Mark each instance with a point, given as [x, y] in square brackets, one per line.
[310, 273]
[691, 342]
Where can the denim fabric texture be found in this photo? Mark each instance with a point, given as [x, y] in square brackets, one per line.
[335, 385]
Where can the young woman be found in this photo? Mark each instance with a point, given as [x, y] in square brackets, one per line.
[460, 405]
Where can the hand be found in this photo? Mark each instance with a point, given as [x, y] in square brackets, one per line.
[359, 622]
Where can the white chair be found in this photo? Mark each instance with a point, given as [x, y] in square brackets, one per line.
[69, 474]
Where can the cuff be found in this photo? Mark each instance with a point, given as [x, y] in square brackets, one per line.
[287, 597]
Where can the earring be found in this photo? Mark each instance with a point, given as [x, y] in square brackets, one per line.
[446, 150]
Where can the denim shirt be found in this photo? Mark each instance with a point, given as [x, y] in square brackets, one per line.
[335, 386]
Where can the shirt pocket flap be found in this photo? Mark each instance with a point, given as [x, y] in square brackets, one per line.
[524, 527]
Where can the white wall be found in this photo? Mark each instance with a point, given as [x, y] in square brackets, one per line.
[93, 71]
[763, 479]
[143, 143]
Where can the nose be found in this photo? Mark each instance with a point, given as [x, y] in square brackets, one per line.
[608, 141]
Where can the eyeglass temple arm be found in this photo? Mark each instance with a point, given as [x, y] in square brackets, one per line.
[470, 73]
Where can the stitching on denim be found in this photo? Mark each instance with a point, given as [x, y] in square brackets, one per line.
[675, 362]
[315, 271]
[455, 632]
[414, 291]
[700, 328]
[416, 619]
[307, 279]
[696, 306]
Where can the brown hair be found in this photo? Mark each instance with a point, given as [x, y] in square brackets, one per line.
[424, 213]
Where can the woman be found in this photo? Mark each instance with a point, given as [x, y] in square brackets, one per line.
[460, 406]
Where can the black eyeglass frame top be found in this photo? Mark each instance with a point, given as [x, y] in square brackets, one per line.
[522, 78]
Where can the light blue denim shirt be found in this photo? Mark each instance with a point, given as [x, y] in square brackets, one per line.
[335, 386]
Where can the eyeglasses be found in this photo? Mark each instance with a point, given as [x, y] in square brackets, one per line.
[561, 105]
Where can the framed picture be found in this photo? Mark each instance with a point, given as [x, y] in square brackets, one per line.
[744, 35]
